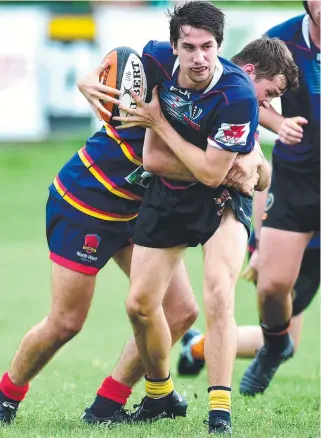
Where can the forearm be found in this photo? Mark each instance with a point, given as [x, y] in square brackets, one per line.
[191, 156]
[166, 164]
[270, 119]
[264, 171]
[160, 160]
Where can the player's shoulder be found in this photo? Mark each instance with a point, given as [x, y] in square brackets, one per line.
[235, 83]
[161, 53]
[288, 29]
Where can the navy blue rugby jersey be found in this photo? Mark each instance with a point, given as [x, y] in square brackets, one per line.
[105, 178]
[305, 156]
[223, 115]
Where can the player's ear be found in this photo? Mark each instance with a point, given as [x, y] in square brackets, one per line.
[249, 69]
[174, 46]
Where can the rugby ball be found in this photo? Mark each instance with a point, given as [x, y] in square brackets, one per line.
[125, 73]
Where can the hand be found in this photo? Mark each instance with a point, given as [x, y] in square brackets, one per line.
[148, 115]
[248, 186]
[244, 167]
[250, 272]
[291, 131]
[95, 92]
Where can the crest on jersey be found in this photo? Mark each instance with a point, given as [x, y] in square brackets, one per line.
[92, 242]
[233, 135]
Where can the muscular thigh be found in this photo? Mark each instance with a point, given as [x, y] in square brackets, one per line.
[151, 272]
[72, 293]
[224, 253]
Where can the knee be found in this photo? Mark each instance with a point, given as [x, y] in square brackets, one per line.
[274, 287]
[181, 321]
[138, 309]
[189, 314]
[65, 327]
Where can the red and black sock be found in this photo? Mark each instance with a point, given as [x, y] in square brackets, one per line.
[111, 396]
[9, 392]
[276, 338]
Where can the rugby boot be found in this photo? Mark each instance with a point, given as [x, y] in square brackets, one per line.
[151, 409]
[219, 426]
[8, 412]
[119, 417]
[187, 365]
[262, 369]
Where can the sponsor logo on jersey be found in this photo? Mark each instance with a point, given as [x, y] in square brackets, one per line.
[233, 135]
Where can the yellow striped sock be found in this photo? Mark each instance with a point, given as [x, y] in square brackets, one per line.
[220, 400]
[159, 388]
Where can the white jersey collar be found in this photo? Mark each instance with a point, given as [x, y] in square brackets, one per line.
[305, 30]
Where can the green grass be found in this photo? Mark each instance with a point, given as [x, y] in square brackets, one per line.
[290, 408]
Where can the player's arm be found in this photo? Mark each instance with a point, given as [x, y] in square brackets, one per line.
[289, 130]
[160, 160]
[210, 166]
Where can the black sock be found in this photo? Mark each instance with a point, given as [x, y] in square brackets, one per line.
[104, 407]
[276, 338]
[4, 398]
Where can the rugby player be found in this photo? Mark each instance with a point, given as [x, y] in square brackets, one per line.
[208, 114]
[91, 212]
[249, 337]
[293, 209]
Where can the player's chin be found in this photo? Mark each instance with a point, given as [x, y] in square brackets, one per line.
[200, 77]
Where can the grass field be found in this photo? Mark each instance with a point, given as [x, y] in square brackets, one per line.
[290, 408]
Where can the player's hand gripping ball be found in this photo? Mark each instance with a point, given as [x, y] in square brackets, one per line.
[125, 72]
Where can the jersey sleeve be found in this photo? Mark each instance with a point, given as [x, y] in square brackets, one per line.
[235, 128]
[158, 61]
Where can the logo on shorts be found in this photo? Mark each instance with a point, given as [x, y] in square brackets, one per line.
[92, 242]
[269, 202]
[221, 201]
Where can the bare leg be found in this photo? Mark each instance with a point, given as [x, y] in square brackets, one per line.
[278, 248]
[71, 297]
[145, 305]
[225, 251]
[129, 369]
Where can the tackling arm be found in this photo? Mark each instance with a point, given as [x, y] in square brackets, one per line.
[160, 160]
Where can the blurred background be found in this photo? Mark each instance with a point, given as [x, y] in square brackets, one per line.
[46, 46]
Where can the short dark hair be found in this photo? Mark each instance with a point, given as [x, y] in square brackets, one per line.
[200, 14]
[306, 7]
[270, 57]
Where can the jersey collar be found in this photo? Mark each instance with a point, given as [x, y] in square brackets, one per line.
[305, 30]
[216, 77]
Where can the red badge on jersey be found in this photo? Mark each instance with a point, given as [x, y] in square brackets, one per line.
[233, 135]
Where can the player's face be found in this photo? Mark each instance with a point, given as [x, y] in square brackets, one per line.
[315, 10]
[197, 52]
[268, 89]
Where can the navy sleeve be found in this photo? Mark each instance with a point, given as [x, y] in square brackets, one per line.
[235, 128]
[158, 60]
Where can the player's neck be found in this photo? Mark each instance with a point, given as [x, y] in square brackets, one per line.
[314, 32]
